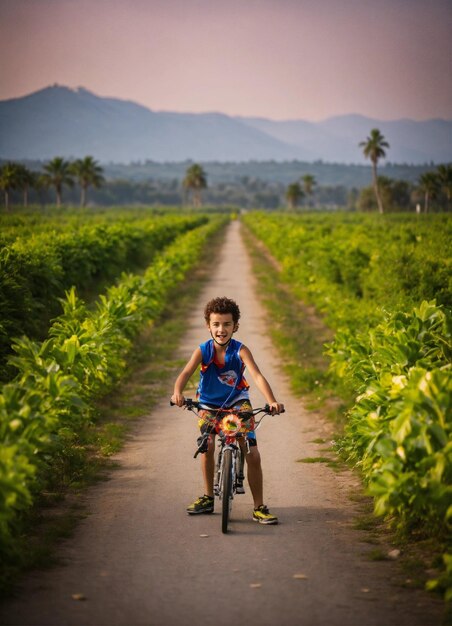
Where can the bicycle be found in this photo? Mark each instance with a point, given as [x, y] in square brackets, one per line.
[230, 425]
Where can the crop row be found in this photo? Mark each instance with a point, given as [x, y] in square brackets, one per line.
[21, 225]
[35, 271]
[43, 410]
[354, 267]
[399, 428]
[392, 347]
[26, 224]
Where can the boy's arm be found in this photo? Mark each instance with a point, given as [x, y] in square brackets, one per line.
[184, 377]
[260, 380]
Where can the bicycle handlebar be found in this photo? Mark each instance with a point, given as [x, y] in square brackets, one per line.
[189, 403]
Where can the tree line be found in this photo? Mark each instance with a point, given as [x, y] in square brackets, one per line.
[57, 173]
[432, 189]
[387, 192]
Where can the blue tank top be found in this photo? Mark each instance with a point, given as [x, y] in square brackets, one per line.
[222, 385]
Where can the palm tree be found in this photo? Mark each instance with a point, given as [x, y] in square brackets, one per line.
[309, 183]
[195, 180]
[294, 194]
[429, 185]
[57, 173]
[88, 172]
[9, 180]
[26, 179]
[445, 180]
[373, 149]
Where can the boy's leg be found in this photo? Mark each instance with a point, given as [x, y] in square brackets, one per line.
[208, 467]
[255, 479]
[261, 513]
[205, 503]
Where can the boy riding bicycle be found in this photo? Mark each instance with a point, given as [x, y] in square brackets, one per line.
[222, 385]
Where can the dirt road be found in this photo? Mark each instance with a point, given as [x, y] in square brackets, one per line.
[138, 559]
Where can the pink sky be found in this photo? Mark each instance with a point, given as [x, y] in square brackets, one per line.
[280, 59]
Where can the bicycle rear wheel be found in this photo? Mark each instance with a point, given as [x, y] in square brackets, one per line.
[226, 485]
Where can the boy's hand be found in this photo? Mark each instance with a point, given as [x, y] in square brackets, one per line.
[178, 398]
[276, 408]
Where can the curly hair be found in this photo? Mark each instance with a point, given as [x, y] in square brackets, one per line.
[222, 305]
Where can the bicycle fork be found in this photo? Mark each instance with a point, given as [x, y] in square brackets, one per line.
[237, 469]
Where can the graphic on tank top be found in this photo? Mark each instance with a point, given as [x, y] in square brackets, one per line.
[228, 378]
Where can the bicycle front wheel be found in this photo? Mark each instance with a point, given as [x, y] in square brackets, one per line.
[226, 480]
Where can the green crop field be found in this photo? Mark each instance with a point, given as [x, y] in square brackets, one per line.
[38, 262]
[63, 361]
[384, 286]
[76, 290]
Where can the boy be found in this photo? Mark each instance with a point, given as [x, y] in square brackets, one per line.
[222, 385]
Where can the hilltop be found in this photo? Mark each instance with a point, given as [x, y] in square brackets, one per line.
[72, 123]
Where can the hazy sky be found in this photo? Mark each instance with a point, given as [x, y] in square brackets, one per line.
[281, 59]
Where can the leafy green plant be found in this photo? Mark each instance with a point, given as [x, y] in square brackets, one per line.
[51, 399]
[368, 278]
[36, 270]
[399, 430]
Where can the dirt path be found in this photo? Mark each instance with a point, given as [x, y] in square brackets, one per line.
[138, 559]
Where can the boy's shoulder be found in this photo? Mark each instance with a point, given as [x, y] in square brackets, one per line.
[235, 343]
[207, 351]
[206, 347]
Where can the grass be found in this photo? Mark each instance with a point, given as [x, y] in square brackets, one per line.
[300, 334]
[377, 554]
[314, 459]
[418, 556]
[333, 463]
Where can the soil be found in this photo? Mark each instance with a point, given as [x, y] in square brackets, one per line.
[139, 559]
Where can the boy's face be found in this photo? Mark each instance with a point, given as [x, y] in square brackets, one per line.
[221, 327]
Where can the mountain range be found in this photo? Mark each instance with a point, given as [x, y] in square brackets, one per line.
[60, 121]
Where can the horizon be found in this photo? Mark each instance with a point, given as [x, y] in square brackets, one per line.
[281, 60]
[355, 114]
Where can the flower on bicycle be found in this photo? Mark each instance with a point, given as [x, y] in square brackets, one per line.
[231, 424]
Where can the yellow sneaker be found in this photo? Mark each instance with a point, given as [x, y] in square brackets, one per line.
[263, 515]
[204, 504]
